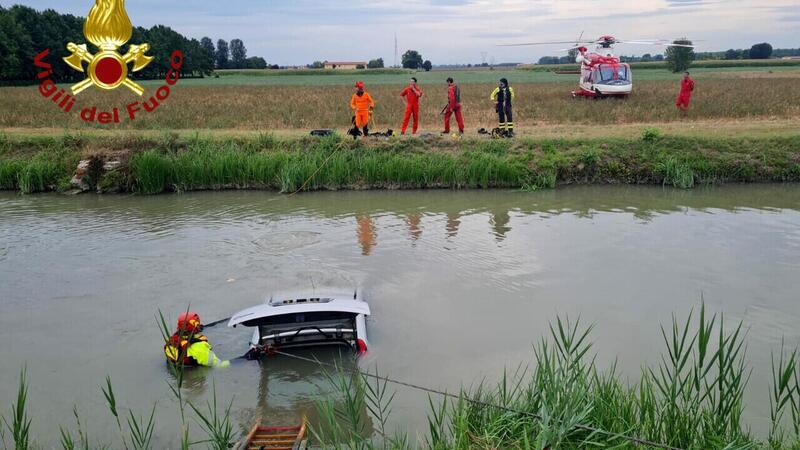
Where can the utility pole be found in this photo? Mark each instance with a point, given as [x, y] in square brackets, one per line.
[395, 51]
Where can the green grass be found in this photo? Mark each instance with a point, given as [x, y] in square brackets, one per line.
[692, 399]
[174, 164]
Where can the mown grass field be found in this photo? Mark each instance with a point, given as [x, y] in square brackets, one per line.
[262, 102]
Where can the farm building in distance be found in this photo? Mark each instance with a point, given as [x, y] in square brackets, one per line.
[345, 65]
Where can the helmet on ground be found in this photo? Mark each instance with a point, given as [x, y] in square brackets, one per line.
[360, 84]
[189, 321]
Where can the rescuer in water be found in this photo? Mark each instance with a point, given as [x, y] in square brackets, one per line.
[412, 93]
[453, 107]
[685, 96]
[187, 346]
[362, 105]
[502, 96]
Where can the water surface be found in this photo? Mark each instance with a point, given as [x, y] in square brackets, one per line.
[461, 284]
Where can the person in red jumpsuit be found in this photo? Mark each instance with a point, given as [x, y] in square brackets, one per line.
[411, 94]
[685, 96]
[453, 106]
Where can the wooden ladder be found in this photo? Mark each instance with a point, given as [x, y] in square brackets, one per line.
[275, 438]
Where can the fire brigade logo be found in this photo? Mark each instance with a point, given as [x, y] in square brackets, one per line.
[108, 28]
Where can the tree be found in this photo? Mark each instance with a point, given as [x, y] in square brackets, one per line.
[732, 54]
[427, 65]
[412, 60]
[680, 58]
[761, 51]
[255, 62]
[316, 65]
[375, 64]
[223, 54]
[208, 50]
[572, 54]
[238, 54]
[647, 57]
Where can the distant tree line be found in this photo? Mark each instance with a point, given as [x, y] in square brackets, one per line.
[233, 55]
[411, 60]
[24, 32]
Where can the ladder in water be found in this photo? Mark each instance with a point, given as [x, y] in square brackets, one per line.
[275, 438]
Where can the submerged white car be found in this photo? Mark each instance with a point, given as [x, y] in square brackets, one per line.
[306, 320]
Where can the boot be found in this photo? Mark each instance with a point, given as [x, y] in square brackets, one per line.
[366, 131]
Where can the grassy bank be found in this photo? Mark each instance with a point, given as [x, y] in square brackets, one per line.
[175, 164]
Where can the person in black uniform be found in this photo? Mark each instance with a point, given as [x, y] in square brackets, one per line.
[503, 95]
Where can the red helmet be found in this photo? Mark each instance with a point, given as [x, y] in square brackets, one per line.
[360, 84]
[582, 49]
[190, 322]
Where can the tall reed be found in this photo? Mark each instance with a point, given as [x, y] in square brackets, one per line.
[692, 399]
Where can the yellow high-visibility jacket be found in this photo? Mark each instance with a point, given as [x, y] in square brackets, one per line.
[198, 353]
[496, 92]
[202, 353]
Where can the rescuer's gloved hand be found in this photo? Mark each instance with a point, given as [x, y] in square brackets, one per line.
[224, 364]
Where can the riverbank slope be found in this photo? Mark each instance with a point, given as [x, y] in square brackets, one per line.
[168, 162]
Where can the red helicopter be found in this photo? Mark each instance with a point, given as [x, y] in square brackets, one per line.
[602, 74]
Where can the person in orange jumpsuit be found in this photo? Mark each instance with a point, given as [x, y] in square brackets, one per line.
[453, 107]
[685, 96]
[411, 94]
[362, 105]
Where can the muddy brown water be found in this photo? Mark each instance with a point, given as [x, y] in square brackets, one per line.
[461, 284]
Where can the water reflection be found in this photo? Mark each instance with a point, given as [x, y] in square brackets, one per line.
[367, 237]
[288, 389]
[158, 217]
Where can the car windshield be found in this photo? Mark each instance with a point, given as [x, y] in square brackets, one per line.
[309, 321]
[613, 72]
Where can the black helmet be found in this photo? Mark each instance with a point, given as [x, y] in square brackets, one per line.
[504, 81]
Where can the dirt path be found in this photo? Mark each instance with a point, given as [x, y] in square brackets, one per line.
[689, 127]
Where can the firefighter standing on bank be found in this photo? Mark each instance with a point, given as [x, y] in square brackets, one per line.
[189, 347]
[453, 107]
[362, 105]
[503, 95]
[412, 93]
[685, 95]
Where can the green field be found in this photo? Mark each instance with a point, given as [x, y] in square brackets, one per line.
[437, 77]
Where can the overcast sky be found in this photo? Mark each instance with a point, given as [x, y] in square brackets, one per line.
[293, 32]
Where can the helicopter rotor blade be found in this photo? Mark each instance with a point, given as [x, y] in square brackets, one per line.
[545, 43]
[661, 42]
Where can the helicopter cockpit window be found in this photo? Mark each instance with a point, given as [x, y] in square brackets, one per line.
[609, 72]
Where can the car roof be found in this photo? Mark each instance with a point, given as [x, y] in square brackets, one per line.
[301, 304]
